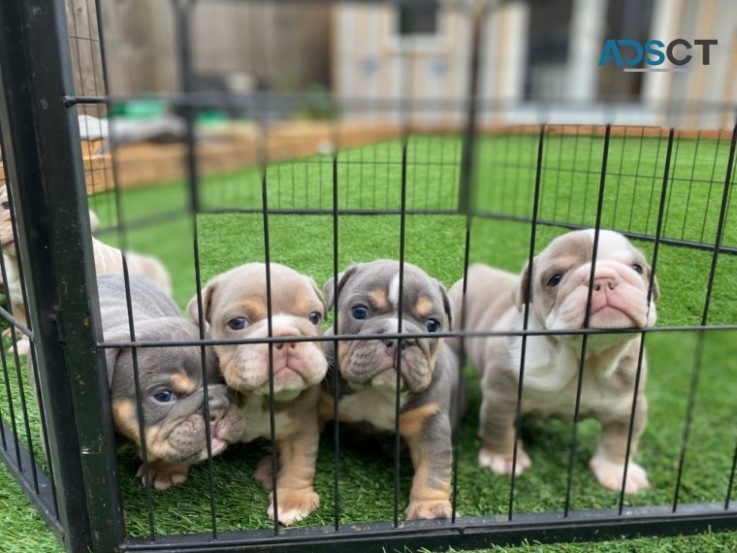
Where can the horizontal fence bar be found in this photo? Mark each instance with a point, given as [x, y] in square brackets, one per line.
[465, 533]
[276, 101]
[418, 335]
[14, 322]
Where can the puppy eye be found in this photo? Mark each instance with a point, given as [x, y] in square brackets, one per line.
[314, 317]
[239, 323]
[432, 325]
[6, 205]
[638, 268]
[359, 312]
[554, 280]
[165, 396]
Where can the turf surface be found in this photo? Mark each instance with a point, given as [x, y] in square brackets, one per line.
[370, 179]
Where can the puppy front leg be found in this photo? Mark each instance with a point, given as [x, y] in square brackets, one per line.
[497, 430]
[607, 463]
[294, 483]
[23, 344]
[427, 432]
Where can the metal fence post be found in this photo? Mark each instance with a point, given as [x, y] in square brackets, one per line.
[44, 164]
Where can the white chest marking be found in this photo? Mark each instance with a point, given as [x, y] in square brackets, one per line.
[394, 291]
[557, 395]
[258, 425]
[377, 407]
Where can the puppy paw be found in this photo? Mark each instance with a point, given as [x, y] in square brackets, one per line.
[162, 478]
[428, 509]
[293, 505]
[263, 473]
[22, 342]
[24, 346]
[609, 474]
[502, 464]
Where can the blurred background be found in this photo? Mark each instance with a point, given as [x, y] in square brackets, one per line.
[533, 52]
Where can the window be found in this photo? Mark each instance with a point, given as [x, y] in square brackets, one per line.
[415, 19]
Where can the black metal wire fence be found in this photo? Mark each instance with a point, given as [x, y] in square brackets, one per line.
[446, 186]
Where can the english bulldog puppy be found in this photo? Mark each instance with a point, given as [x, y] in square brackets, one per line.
[368, 303]
[559, 285]
[235, 307]
[171, 390]
[107, 260]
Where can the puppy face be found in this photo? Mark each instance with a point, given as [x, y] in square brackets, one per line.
[560, 283]
[235, 306]
[368, 302]
[7, 242]
[171, 395]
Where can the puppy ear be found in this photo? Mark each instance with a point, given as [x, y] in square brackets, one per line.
[655, 290]
[192, 308]
[519, 295]
[330, 289]
[119, 334]
[447, 305]
[319, 295]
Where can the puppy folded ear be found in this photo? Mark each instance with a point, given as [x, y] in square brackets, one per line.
[447, 306]
[330, 288]
[655, 290]
[519, 294]
[319, 295]
[119, 334]
[207, 295]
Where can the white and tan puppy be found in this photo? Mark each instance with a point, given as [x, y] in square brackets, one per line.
[235, 307]
[495, 301]
[107, 260]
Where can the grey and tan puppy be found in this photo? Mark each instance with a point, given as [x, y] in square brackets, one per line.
[170, 382]
[559, 286]
[235, 306]
[368, 301]
[107, 260]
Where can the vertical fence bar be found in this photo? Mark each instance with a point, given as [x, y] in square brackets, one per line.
[694, 383]
[526, 315]
[43, 154]
[651, 284]
[184, 10]
[466, 198]
[586, 321]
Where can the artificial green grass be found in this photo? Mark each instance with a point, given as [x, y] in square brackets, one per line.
[504, 183]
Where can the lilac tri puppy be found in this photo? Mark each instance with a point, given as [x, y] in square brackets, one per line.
[170, 387]
[559, 286]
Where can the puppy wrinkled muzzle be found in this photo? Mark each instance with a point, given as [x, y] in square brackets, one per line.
[375, 363]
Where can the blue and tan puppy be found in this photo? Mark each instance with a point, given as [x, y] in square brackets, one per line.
[368, 301]
[170, 388]
[235, 307]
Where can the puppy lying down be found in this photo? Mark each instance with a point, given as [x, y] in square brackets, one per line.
[559, 281]
[171, 389]
[107, 260]
[235, 307]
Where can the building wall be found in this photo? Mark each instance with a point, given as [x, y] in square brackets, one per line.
[372, 62]
[283, 46]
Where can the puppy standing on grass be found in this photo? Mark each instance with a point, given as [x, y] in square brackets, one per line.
[235, 306]
[368, 301]
[107, 260]
[495, 300]
[170, 382]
